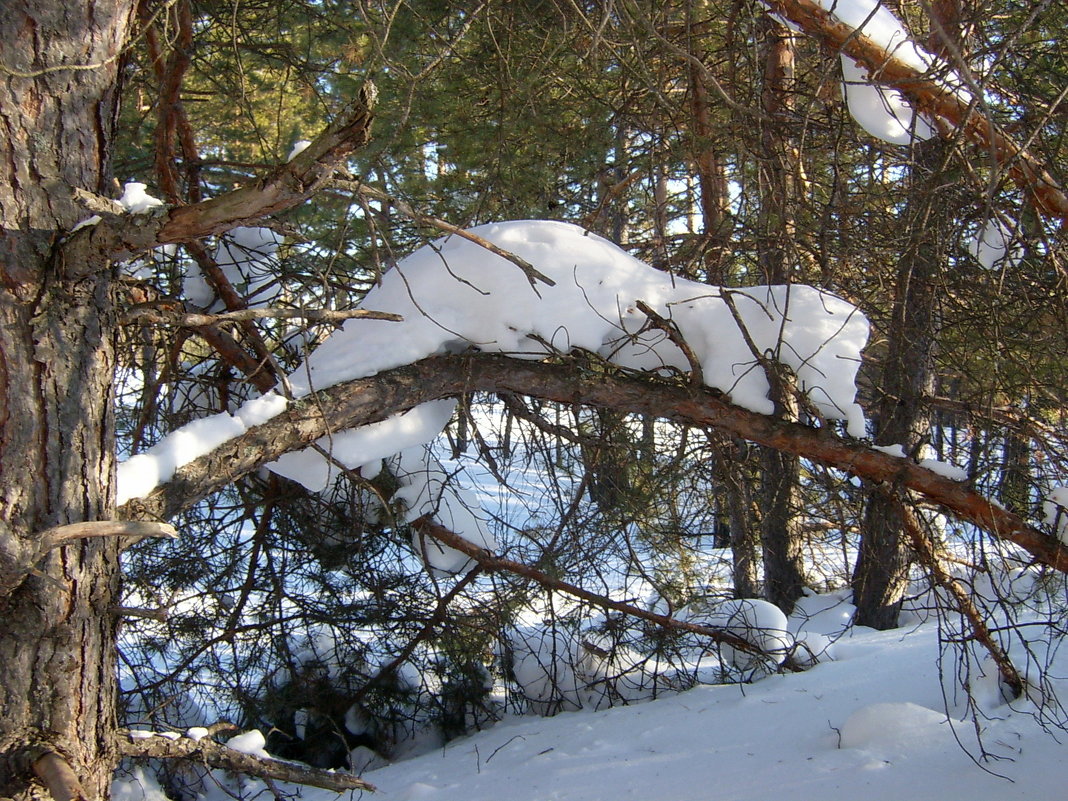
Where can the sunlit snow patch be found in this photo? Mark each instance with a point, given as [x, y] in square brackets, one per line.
[1055, 510]
[881, 111]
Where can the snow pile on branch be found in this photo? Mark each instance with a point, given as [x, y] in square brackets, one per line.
[882, 112]
[454, 294]
[135, 200]
[996, 245]
[1055, 511]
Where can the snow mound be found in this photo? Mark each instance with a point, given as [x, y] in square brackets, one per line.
[889, 729]
[758, 622]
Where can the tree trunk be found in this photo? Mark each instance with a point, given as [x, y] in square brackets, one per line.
[780, 525]
[58, 100]
[880, 577]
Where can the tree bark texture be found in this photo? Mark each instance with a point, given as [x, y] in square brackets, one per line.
[58, 101]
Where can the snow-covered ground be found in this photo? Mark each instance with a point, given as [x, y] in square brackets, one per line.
[871, 724]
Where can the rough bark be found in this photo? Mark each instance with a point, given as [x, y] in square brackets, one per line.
[58, 100]
[59, 95]
[881, 575]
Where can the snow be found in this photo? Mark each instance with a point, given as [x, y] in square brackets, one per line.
[946, 469]
[1055, 511]
[758, 622]
[455, 294]
[996, 245]
[135, 200]
[878, 23]
[86, 223]
[298, 147]
[882, 112]
[140, 474]
[871, 724]
[889, 730]
[249, 742]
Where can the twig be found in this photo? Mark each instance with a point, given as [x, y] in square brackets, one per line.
[673, 333]
[353, 184]
[926, 551]
[219, 756]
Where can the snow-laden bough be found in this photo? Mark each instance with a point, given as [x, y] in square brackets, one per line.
[454, 295]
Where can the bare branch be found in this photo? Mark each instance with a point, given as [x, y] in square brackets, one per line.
[219, 756]
[163, 316]
[57, 775]
[697, 374]
[16, 565]
[61, 535]
[123, 236]
[495, 564]
[929, 556]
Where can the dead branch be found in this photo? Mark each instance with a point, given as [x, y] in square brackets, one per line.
[496, 564]
[154, 315]
[56, 774]
[121, 237]
[61, 535]
[215, 755]
[697, 374]
[928, 555]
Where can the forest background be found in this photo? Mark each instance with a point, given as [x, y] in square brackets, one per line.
[707, 139]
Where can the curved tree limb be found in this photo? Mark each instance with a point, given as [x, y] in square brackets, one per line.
[215, 755]
[368, 400]
[934, 97]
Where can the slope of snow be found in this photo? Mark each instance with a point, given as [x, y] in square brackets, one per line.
[870, 725]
